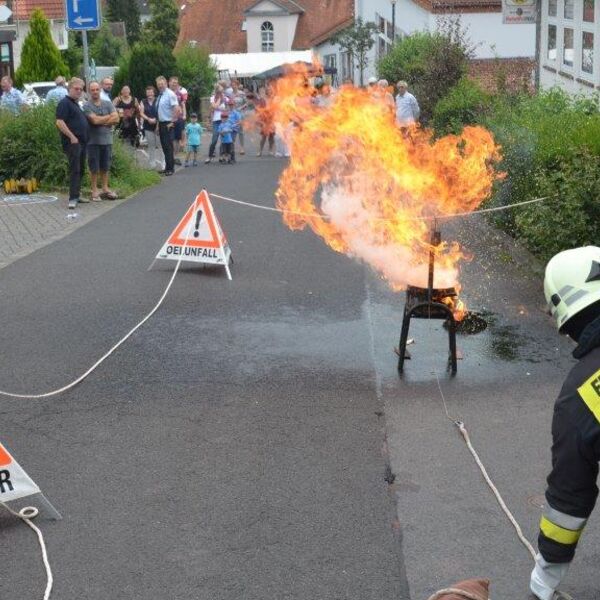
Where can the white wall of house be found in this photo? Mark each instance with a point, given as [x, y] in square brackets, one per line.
[58, 29]
[486, 31]
[284, 27]
[568, 54]
[380, 13]
[332, 56]
[284, 30]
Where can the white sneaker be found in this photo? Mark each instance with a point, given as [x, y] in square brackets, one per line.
[72, 204]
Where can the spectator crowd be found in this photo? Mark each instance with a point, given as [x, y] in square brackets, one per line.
[159, 124]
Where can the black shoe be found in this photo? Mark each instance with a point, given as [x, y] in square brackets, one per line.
[177, 162]
[162, 172]
[168, 173]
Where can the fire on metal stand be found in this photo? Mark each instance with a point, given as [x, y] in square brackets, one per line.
[429, 303]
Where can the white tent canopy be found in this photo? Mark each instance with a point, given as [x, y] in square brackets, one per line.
[252, 63]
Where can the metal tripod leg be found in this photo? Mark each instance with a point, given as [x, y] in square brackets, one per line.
[403, 340]
[452, 340]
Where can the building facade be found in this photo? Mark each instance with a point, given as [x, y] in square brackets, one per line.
[570, 30]
[481, 19]
[14, 31]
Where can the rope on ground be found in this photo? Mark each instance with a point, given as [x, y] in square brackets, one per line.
[465, 434]
[109, 352]
[422, 218]
[462, 593]
[26, 514]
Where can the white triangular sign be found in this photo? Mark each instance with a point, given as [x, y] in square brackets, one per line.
[14, 482]
[198, 237]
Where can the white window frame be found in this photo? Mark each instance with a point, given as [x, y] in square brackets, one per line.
[347, 66]
[579, 26]
[267, 37]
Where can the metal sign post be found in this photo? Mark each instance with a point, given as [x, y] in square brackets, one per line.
[83, 15]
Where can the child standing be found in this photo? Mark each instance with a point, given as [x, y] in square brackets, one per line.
[235, 120]
[193, 132]
[226, 135]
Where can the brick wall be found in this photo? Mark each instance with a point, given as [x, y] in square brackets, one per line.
[515, 73]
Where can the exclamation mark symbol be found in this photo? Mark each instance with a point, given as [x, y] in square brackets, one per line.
[197, 226]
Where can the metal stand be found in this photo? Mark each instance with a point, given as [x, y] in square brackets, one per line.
[427, 303]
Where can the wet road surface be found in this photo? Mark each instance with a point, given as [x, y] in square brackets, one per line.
[254, 440]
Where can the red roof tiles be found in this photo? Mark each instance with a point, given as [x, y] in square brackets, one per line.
[53, 9]
[217, 24]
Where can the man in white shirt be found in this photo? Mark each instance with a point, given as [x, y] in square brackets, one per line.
[169, 112]
[407, 107]
[106, 91]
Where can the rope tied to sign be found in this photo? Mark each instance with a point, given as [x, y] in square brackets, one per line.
[26, 514]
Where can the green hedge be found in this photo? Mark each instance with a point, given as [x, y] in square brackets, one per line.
[551, 147]
[31, 148]
[465, 104]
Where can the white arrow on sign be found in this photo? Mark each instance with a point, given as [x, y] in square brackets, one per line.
[81, 20]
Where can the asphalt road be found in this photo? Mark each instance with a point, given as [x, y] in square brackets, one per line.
[238, 446]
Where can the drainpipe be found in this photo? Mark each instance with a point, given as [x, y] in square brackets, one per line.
[538, 43]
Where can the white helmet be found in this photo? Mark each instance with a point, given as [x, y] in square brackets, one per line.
[572, 282]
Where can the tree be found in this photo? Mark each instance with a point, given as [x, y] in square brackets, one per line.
[106, 49]
[40, 58]
[197, 73]
[128, 12]
[431, 62]
[73, 55]
[143, 65]
[357, 40]
[163, 27]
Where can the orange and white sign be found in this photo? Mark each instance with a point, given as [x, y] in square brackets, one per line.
[14, 482]
[198, 237]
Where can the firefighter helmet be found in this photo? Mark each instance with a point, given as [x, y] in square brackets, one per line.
[572, 282]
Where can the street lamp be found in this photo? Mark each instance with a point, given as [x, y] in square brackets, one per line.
[393, 20]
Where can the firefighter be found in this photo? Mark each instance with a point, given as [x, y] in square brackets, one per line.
[572, 290]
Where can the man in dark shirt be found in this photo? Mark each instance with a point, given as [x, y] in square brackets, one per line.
[74, 134]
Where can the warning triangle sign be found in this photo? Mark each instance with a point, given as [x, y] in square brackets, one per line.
[14, 482]
[198, 237]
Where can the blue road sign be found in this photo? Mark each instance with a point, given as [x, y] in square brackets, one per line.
[83, 15]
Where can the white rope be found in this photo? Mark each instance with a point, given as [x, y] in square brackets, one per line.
[109, 352]
[465, 434]
[457, 592]
[524, 540]
[26, 514]
[325, 217]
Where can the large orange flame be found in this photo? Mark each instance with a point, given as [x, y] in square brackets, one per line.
[370, 189]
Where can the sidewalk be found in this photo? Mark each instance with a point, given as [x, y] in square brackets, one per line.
[31, 222]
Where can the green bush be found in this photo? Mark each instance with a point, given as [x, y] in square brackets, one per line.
[573, 218]
[142, 66]
[464, 104]
[197, 73]
[31, 148]
[163, 27]
[73, 55]
[41, 59]
[550, 146]
[431, 63]
[106, 49]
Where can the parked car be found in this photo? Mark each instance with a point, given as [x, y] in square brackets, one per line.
[35, 93]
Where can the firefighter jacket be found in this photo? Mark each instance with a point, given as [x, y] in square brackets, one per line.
[572, 488]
